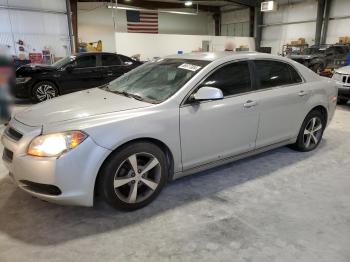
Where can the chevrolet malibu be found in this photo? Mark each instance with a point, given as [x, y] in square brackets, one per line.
[163, 120]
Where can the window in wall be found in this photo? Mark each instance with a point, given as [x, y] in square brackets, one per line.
[274, 73]
[231, 79]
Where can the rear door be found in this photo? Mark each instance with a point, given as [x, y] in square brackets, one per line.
[84, 74]
[282, 101]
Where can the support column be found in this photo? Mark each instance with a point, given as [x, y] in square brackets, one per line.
[319, 21]
[251, 21]
[258, 21]
[74, 22]
[217, 20]
[326, 21]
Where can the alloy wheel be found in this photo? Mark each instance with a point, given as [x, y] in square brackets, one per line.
[312, 132]
[137, 177]
[45, 92]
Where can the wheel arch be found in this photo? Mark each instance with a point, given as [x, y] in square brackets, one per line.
[323, 111]
[45, 80]
[157, 142]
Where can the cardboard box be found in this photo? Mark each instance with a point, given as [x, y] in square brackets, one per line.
[344, 40]
[301, 40]
[298, 42]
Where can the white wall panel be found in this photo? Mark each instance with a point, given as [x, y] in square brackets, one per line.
[276, 36]
[235, 22]
[95, 22]
[337, 28]
[38, 30]
[55, 5]
[340, 8]
[158, 45]
[185, 24]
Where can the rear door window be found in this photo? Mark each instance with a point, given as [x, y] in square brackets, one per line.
[85, 61]
[110, 60]
[274, 73]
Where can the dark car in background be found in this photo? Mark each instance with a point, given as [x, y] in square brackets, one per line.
[319, 58]
[70, 74]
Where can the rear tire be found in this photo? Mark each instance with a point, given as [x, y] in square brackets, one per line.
[133, 176]
[317, 68]
[311, 132]
[43, 91]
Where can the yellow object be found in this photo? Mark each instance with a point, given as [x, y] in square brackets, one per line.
[91, 48]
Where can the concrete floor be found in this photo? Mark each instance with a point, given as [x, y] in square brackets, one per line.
[278, 206]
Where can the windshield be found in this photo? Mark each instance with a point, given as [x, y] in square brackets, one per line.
[157, 81]
[63, 61]
[313, 51]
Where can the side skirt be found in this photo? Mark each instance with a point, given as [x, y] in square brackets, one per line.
[232, 158]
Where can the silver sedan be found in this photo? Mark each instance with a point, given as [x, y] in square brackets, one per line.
[166, 119]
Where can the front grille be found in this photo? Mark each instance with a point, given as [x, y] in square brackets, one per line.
[7, 155]
[13, 134]
[41, 188]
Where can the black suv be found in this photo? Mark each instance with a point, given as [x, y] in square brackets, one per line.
[70, 74]
[318, 58]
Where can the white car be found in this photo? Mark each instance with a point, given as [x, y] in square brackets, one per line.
[166, 119]
[342, 78]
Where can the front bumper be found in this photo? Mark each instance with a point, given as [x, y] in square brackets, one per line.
[21, 90]
[73, 174]
[343, 90]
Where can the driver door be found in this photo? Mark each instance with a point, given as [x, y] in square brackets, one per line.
[83, 75]
[217, 129]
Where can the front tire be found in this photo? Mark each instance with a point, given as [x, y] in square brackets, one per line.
[133, 176]
[311, 132]
[43, 91]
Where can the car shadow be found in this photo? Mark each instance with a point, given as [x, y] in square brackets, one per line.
[33, 221]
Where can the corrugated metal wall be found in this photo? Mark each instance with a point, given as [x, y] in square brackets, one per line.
[37, 29]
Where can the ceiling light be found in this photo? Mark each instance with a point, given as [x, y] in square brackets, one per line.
[177, 12]
[159, 10]
[188, 3]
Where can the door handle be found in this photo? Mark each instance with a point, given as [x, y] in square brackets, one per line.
[303, 93]
[109, 74]
[250, 104]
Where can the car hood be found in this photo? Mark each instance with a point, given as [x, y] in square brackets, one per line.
[75, 106]
[343, 70]
[29, 69]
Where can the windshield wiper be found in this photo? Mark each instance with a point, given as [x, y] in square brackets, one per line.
[122, 93]
[137, 97]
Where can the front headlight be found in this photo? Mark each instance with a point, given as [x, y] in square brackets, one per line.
[22, 80]
[55, 144]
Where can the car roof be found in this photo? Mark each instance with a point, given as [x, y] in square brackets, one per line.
[94, 53]
[214, 56]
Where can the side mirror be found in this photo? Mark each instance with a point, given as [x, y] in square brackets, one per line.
[208, 93]
[70, 67]
[128, 63]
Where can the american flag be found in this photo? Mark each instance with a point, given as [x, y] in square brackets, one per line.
[142, 21]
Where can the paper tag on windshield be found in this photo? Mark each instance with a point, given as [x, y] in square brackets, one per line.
[189, 67]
